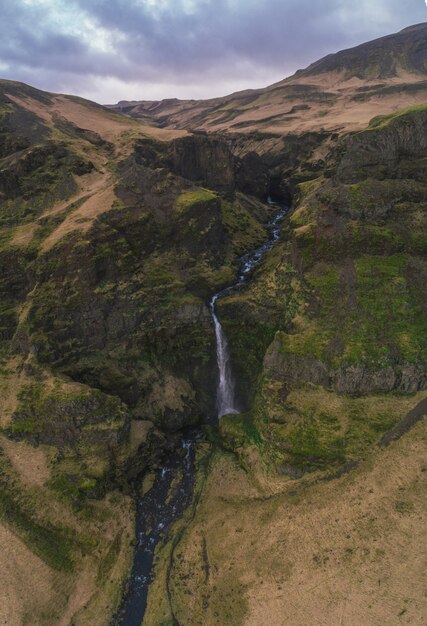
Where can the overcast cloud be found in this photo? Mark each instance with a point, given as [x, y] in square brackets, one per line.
[109, 50]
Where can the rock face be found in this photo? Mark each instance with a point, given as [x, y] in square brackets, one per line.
[330, 335]
[70, 417]
[379, 152]
[205, 160]
[209, 161]
[354, 278]
[129, 306]
[351, 379]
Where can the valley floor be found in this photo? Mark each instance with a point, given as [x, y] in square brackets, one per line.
[342, 552]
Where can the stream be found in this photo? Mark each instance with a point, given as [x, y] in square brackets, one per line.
[172, 489]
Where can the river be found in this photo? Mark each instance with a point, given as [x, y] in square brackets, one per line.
[168, 497]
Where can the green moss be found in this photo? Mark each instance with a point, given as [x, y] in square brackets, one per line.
[308, 187]
[44, 178]
[194, 199]
[8, 319]
[239, 430]
[66, 487]
[377, 315]
[245, 232]
[67, 417]
[248, 341]
[313, 428]
[311, 446]
[388, 317]
[381, 121]
[5, 111]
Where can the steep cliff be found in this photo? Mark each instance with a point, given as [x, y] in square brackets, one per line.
[343, 297]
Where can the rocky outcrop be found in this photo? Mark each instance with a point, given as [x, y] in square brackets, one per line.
[205, 160]
[405, 424]
[208, 160]
[379, 59]
[69, 417]
[357, 379]
[378, 152]
[289, 160]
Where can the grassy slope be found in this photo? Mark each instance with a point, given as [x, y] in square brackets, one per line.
[74, 193]
[295, 553]
[341, 92]
[277, 535]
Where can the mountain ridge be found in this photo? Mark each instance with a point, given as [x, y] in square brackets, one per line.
[338, 92]
[115, 232]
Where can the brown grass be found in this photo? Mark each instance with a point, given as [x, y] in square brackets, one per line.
[23, 235]
[81, 219]
[340, 553]
[31, 464]
[26, 583]
[339, 113]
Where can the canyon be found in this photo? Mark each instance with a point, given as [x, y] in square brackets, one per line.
[213, 351]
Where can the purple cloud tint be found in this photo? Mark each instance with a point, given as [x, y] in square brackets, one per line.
[212, 42]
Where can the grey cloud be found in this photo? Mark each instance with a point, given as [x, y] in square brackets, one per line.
[168, 42]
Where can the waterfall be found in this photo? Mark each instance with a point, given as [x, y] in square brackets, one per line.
[225, 389]
[165, 502]
[225, 400]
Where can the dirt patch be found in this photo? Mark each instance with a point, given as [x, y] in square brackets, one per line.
[139, 430]
[88, 184]
[316, 103]
[94, 118]
[85, 587]
[26, 583]
[34, 106]
[81, 219]
[30, 463]
[23, 235]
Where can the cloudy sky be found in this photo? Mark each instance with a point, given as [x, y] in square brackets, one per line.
[109, 50]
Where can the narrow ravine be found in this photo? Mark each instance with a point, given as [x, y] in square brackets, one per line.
[156, 510]
[225, 397]
[167, 499]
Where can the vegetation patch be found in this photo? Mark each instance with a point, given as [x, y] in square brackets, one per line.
[312, 428]
[381, 121]
[194, 199]
[52, 544]
[239, 430]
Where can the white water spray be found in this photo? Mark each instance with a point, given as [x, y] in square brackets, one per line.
[225, 397]
[225, 389]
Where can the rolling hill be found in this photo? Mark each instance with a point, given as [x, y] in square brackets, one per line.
[341, 92]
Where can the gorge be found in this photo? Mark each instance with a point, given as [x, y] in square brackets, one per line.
[213, 351]
[163, 503]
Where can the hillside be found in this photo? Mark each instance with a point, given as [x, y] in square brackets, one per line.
[341, 92]
[306, 517]
[116, 229]
[109, 249]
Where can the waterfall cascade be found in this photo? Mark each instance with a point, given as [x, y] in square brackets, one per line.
[161, 505]
[225, 401]
[225, 396]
